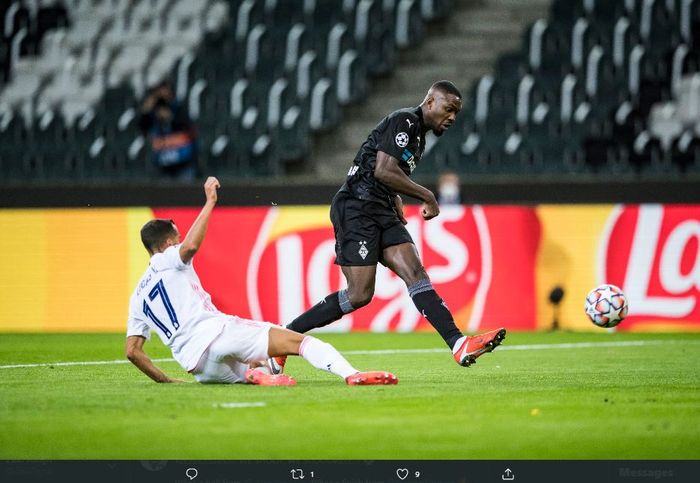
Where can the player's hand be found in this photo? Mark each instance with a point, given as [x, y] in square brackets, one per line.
[398, 202]
[210, 187]
[430, 209]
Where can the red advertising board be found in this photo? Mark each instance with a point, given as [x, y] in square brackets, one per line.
[254, 268]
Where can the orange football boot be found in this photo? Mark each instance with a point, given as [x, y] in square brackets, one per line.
[261, 378]
[476, 345]
[373, 378]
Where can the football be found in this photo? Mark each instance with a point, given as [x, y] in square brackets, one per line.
[606, 305]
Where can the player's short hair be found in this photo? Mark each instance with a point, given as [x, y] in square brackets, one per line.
[446, 87]
[155, 233]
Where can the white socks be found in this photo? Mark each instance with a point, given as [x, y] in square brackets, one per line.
[325, 357]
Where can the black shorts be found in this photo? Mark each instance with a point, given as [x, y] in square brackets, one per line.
[363, 229]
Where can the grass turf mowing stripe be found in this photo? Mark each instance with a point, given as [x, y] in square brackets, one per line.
[522, 347]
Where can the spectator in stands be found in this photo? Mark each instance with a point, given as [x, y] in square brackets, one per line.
[448, 189]
[171, 134]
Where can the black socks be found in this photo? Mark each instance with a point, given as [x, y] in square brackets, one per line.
[328, 310]
[433, 308]
[427, 301]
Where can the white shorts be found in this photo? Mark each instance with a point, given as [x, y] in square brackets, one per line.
[241, 342]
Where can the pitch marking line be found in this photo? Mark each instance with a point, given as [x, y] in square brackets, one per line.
[87, 363]
[239, 405]
[524, 347]
[527, 347]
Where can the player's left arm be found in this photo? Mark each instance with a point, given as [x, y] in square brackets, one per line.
[139, 358]
[195, 236]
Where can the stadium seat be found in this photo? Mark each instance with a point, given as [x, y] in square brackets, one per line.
[309, 71]
[298, 42]
[280, 15]
[434, 9]
[374, 37]
[339, 42]
[323, 109]
[351, 79]
[646, 154]
[409, 24]
[686, 152]
[249, 13]
[16, 18]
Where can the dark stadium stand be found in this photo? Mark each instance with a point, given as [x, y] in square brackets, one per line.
[578, 95]
[257, 77]
[598, 85]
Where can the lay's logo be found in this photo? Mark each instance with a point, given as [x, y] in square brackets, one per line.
[653, 252]
[291, 268]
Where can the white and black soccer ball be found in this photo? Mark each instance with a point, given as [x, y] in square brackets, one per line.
[606, 305]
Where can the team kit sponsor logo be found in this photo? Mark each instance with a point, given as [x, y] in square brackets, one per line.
[408, 158]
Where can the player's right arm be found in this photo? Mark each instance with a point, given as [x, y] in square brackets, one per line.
[138, 357]
[388, 172]
[195, 236]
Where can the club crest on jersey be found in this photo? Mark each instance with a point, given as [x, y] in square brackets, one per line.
[401, 139]
[363, 250]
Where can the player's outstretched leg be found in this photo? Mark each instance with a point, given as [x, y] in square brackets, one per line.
[325, 357]
[328, 310]
[467, 350]
[322, 356]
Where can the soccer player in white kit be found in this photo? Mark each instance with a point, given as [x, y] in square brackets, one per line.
[213, 346]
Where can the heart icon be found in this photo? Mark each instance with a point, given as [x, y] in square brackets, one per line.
[402, 473]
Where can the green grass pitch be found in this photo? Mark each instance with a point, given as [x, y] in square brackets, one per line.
[539, 396]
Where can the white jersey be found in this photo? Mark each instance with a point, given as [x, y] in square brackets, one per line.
[170, 299]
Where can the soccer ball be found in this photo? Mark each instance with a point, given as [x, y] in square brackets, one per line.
[606, 305]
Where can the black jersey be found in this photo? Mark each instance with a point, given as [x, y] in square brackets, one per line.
[398, 135]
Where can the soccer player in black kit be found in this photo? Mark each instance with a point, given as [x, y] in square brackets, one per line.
[367, 216]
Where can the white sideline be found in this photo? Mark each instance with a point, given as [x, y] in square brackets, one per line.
[239, 405]
[527, 347]
[524, 347]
